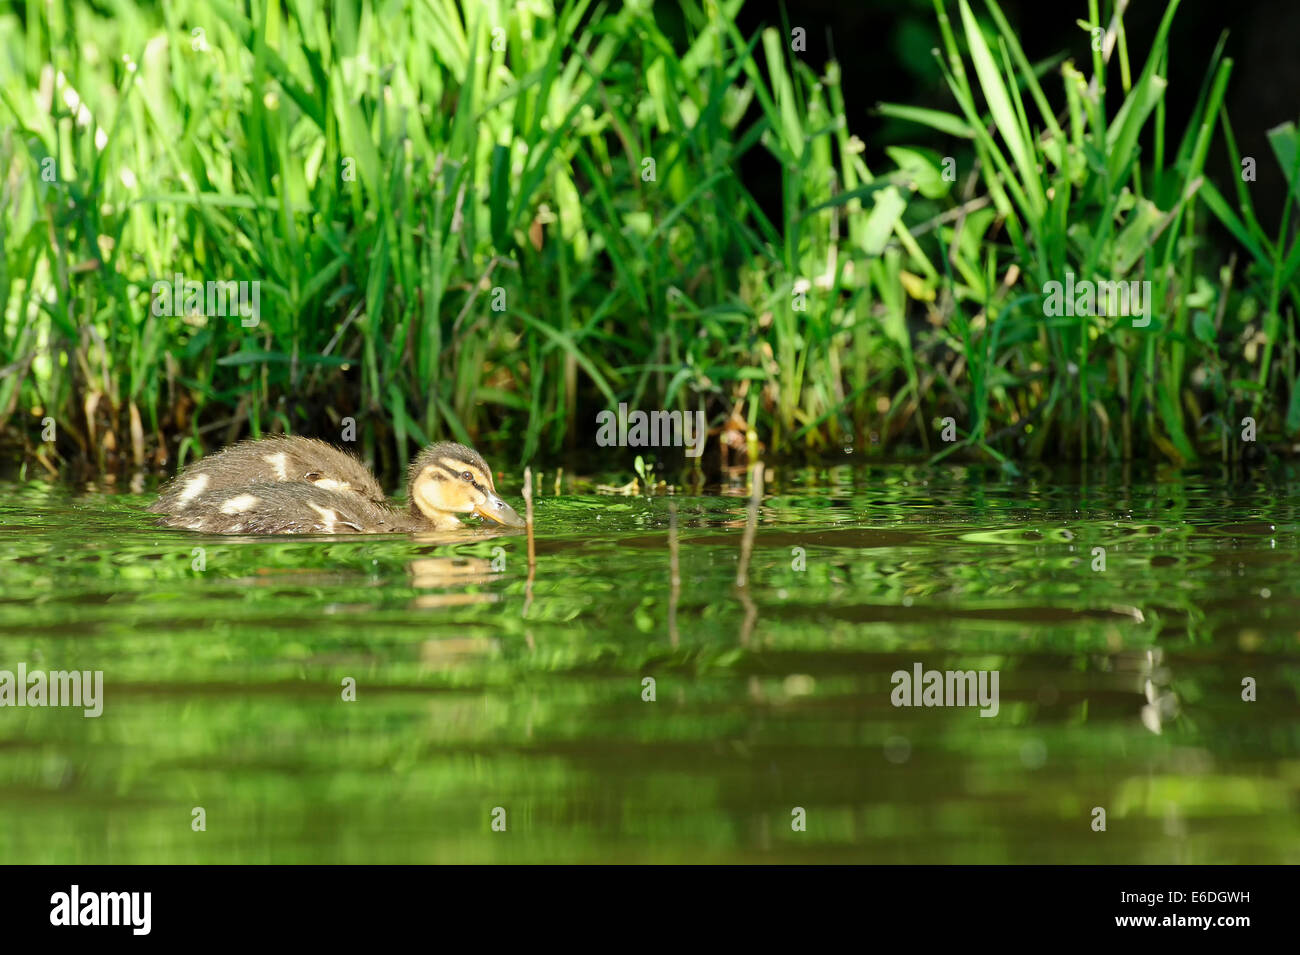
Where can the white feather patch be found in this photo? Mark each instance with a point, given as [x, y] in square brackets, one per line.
[328, 516]
[278, 461]
[238, 505]
[193, 488]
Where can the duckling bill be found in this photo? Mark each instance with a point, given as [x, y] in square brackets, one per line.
[304, 486]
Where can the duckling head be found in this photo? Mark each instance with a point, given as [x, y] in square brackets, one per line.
[449, 479]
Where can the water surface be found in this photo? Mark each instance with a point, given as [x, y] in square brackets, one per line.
[224, 661]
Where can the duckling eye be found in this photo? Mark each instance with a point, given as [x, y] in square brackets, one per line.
[467, 476]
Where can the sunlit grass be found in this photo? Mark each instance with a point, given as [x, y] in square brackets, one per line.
[488, 221]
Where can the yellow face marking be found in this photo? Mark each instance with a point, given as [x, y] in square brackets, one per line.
[279, 463]
[332, 485]
[439, 492]
[238, 505]
[193, 488]
[327, 515]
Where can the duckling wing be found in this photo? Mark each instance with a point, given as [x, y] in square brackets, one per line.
[329, 467]
[281, 507]
[264, 461]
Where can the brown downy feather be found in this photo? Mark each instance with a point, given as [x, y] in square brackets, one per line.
[265, 461]
[290, 507]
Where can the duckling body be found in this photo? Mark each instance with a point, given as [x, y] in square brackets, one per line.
[290, 507]
[303, 486]
[263, 461]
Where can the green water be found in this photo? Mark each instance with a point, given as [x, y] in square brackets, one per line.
[1119, 688]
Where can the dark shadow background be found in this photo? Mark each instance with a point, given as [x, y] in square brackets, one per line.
[883, 47]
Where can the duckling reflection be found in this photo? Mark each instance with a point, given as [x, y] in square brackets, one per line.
[1151, 678]
[1162, 701]
[449, 652]
[430, 573]
[454, 573]
[303, 486]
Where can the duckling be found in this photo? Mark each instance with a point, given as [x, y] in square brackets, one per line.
[445, 480]
[264, 461]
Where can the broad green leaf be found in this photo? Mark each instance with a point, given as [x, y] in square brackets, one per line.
[923, 167]
[943, 122]
[880, 224]
[1135, 238]
[1283, 140]
[1121, 137]
[1203, 328]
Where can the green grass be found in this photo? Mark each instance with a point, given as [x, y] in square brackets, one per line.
[450, 211]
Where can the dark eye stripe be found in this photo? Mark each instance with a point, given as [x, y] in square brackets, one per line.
[459, 469]
[444, 472]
